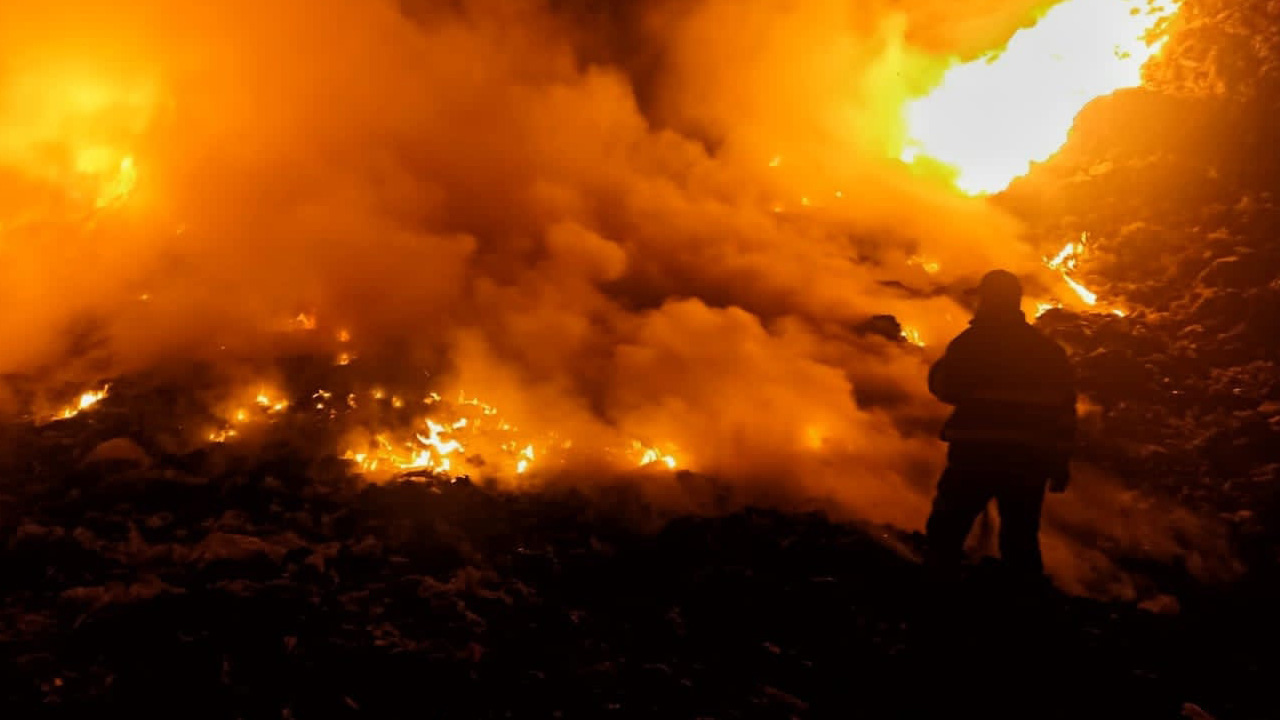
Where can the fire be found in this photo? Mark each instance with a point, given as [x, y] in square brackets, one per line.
[1088, 296]
[912, 336]
[87, 400]
[270, 405]
[470, 435]
[1065, 263]
[651, 455]
[526, 457]
[441, 443]
[991, 118]
[264, 405]
[305, 321]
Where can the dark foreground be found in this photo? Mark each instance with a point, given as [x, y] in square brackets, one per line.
[206, 586]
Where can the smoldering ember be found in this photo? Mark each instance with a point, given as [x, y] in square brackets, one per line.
[569, 358]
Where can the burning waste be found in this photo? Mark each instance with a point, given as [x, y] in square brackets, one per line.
[558, 257]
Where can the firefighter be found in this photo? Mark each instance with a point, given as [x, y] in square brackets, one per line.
[1012, 430]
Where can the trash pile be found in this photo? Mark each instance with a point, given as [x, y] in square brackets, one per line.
[275, 583]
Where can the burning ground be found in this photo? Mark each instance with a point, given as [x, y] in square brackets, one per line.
[630, 269]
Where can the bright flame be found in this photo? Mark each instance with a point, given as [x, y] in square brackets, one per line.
[526, 457]
[651, 455]
[265, 402]
[912, 336]
[1065, 263]
[991, 118]
[87, 399]
[464, 436]
[1088, 296]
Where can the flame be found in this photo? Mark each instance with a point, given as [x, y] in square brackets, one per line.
[991, 118]
[439, 446]
[246, 408]
[469, 436]
[526, 457]
[1065, 263]
[912, 336]
[305, 321]
[651, 455]
[1088, 296]
[87, 400]
[222, 435]
[271, 406]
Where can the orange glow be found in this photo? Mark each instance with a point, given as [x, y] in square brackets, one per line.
[991, 118]
[76, 127]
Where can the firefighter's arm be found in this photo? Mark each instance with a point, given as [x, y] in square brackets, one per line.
[949, 379]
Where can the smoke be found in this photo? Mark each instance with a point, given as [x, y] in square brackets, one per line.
[654, 220]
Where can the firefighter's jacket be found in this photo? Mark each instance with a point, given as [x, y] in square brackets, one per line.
[1009, 383]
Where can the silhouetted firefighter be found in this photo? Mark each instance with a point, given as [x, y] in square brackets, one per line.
[1012, 430]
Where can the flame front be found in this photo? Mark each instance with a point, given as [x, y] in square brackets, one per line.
[87, 399]
[991, 118]
[470, 436]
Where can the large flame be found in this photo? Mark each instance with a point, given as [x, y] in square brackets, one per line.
[991, 118]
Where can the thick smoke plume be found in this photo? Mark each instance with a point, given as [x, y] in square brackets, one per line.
[652, 220]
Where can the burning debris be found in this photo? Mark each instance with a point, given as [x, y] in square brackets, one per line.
[86, 400]
[473, 440]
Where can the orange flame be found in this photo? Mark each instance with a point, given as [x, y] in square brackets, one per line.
[87, 400]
